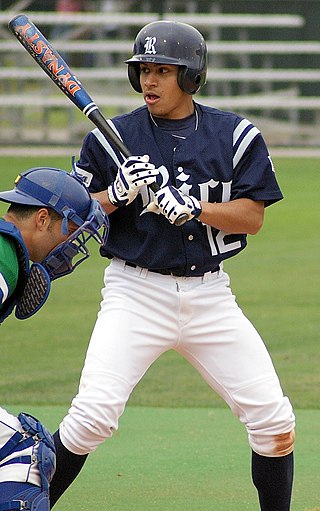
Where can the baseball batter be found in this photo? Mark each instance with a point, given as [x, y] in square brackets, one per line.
[165, 287]
[50, 210]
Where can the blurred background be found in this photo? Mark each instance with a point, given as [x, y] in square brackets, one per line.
[264, 63]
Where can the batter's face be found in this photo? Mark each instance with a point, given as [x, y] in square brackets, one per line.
[161, 91]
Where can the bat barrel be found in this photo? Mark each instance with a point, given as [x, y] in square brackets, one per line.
[50, 61]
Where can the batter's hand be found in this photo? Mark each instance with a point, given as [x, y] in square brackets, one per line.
[135, 172]
[172, 203]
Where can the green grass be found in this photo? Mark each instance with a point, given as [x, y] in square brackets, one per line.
[276, 280]
[178, 446]
[191, 459]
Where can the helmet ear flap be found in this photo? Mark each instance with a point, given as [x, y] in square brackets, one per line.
[183, 79]
[134, 75]
[189, 80]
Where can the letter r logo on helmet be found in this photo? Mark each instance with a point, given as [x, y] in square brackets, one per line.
[150, 45]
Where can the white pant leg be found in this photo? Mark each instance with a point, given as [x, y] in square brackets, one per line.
[136, 323]
[222, 344]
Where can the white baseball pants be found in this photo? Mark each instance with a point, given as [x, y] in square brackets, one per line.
[144, 314]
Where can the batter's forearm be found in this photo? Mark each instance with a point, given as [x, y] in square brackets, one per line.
[103, 198]
[241, 216]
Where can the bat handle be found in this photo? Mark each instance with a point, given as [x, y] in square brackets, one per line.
[181, 219]
[99, 120]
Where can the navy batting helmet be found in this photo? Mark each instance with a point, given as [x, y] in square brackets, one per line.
[171, 42]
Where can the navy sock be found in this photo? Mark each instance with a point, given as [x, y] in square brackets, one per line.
[68, 467]
[273, 478]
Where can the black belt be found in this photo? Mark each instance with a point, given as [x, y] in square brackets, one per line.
[167, 272]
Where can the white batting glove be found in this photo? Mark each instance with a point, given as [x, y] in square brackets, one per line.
[135, 172]
[172, 204]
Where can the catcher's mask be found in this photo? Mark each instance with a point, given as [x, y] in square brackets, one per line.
[63, 259]
[171, 42]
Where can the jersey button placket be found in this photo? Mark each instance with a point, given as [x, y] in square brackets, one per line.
[193, 267]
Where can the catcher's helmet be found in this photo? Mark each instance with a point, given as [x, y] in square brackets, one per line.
[67, 194]
[171, 42]
[52, 188]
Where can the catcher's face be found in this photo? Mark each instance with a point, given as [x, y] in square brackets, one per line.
[47, 234]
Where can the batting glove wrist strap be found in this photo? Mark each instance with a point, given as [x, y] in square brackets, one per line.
[134, 173]
[172, 203]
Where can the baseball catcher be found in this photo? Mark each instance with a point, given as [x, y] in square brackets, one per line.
[49, 221]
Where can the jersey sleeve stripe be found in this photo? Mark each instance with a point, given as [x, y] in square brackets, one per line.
[244, 145]
[4, 290]
[112, 125]
[240, 129]
[105, 144]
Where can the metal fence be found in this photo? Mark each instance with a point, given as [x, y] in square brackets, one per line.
[260, 65]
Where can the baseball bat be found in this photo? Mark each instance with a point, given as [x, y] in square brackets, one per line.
[60, 73]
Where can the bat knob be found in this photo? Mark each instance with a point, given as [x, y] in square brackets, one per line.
[181, 219]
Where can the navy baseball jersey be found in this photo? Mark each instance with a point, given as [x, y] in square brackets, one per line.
[224, 159]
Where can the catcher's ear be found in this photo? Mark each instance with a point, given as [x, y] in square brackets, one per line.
[42, 218]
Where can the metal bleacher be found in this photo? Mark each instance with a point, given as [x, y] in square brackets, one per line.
[260, 79]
